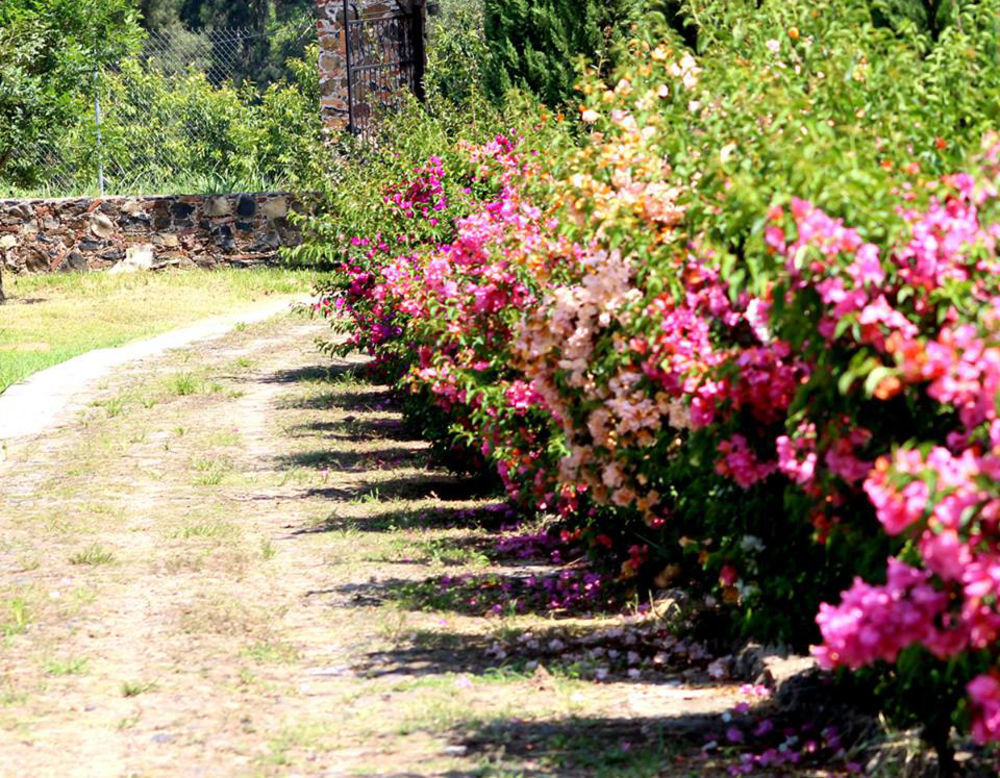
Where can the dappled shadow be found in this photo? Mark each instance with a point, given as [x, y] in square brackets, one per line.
[308, 373]
[673, 734]
[523, 588]
[366, 401]
[587, 746]
[415, 487]
[432, 653]
[390, 518]
[433, 485]
[598, 650]
[353, 430]
[330, 459]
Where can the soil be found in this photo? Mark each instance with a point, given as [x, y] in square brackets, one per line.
[219, 568]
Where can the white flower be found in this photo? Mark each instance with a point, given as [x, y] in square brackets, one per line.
[751, 543]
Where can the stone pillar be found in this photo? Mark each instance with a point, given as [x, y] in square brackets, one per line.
[333, 54]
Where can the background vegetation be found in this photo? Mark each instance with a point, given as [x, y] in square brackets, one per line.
[188, 103]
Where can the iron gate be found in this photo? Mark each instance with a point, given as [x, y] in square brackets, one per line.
[384, 59]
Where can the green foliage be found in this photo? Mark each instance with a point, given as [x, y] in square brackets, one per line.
[276, 30]
[539, 46]
[832, 114]
[165, 133]
[456, 56]
[49, 53]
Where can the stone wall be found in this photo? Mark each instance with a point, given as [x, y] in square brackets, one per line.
[333, 55]
[41, 236]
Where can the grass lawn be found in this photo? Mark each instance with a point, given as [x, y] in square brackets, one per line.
[49, 319]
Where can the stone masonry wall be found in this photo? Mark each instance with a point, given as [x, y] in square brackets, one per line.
[41, 236]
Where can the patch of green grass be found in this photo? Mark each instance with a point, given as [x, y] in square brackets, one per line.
[8, 699]
[303, 735]
[211, 529]
[370, 497]
[438, 552]
[74, 313]
[211, 472]
[135, 688]
[115, 406]
[269, 651]
[225, 438]
[184, 384]
[94, 554]
[82, 597]
[18, 617]
[243, 363]
[69, 666]
[441, 710]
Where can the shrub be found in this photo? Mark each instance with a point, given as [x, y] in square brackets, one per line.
[744, 335]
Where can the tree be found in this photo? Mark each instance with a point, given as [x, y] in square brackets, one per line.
[49, 52]
[536, 45]
[275, 26]
[160, 14]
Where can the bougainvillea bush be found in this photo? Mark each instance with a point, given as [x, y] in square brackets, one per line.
[743, 334]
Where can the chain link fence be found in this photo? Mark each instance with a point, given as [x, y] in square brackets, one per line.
[193, 112]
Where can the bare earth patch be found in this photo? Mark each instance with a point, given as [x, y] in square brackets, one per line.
[221, 570]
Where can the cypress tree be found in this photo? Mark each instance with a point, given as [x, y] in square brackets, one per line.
[536, 44]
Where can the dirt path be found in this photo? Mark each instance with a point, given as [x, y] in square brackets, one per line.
[231, 565]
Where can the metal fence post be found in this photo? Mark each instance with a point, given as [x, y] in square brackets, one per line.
[347, 63]
[100, 152]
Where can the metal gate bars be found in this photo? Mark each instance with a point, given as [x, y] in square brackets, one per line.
[384, 53]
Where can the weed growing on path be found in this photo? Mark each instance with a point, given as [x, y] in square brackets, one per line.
[68, 666]
[135, 688]
[18, 617]
[92, 555]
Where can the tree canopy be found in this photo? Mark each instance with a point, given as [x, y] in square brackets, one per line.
[49, 51]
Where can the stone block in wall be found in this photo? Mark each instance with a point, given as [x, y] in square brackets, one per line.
[35, 260]
[246, 206]
[275, 208]
[218, 206]
[134, 208]
[181, 210]
[74, 262]
[167, 239]
[100, 225]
